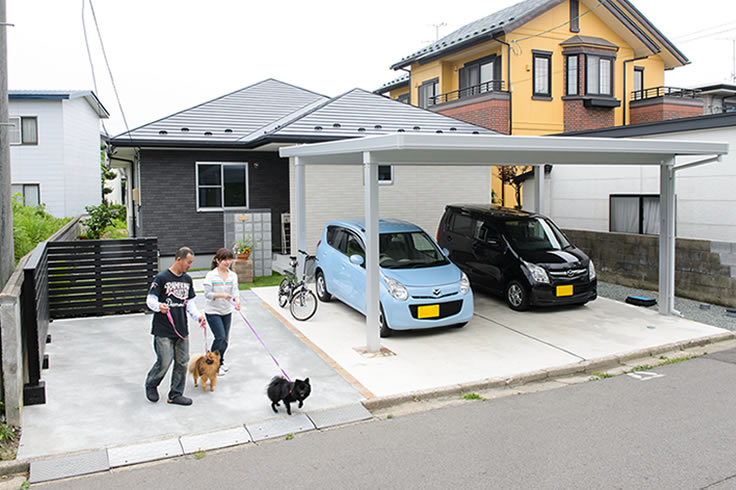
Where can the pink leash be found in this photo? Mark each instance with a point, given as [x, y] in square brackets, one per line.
[171, 320]
[264, 345]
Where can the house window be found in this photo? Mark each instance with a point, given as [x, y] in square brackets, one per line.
[385, 174]
[30, 194]
[634, 214]
[574, 16]
[542, 74]
[427, 90]
[222, 185]
[477, 77]
[638, 82]
[23, 130]
[403, 98]
[599, 75]
[572, 75]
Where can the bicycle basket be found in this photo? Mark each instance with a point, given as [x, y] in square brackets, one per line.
[309, 265]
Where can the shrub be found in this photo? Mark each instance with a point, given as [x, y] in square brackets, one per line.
[102, 217]
[31, 225]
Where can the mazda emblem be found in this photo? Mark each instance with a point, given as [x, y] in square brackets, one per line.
[570, 273]
[436, 291]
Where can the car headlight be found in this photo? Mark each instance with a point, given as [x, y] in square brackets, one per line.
[464, 283]
[591, 270]
[396, 289]
[538, 273]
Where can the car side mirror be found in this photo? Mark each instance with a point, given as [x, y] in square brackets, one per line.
[446, 252]
[356, 259]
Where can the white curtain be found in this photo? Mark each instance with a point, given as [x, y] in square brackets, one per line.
[625, 214]
[28, 130]
[651, 215]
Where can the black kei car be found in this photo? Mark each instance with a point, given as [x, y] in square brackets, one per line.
[521, 255]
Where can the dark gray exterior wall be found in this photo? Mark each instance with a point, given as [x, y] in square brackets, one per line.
[169, 202]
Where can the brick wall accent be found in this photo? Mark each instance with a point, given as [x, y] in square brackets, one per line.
[664, 108]
[492, 114]
[579, 118]
[633, 260]
[169, 202]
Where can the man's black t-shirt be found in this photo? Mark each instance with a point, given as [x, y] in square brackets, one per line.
[174, 291]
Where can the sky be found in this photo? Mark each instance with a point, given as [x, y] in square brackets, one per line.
[169, 55]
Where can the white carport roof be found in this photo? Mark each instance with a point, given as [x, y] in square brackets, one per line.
[481, 149]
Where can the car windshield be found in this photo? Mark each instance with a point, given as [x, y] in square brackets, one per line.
[408, 250]
[535, 234]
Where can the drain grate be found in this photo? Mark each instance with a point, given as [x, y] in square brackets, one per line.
[214, 440]
[279, 427]
[140, 453]
[68, 466]
[339, 415]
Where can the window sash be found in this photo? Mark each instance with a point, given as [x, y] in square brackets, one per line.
[637, 214]
[542, 64]
[427, 90]
[229, 190]
[14, 131]
[29, 130]
[599, 75]
[572, 75]
[385, 174]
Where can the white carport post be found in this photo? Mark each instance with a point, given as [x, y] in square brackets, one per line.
[667, 237]
[300, 207]
[539, 189]
[370, 192]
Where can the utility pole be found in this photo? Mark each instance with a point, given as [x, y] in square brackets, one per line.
[7, 254]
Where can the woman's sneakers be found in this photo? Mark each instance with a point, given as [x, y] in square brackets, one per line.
[223, 370]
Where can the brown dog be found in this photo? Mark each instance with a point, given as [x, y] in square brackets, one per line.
[204, 367]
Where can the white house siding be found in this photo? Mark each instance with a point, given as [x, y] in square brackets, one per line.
[81, 156]
[578, 196]
[65, 163]
[418, 194]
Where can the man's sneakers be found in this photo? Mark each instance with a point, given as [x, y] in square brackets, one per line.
[180, 400]
[152, 394]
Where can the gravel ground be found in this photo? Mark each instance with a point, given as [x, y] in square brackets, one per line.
[709, 314]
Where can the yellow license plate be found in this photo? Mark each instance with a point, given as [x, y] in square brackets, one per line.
[564, 290]
[428, 311]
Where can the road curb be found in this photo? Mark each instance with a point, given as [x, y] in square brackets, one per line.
[14, 466]
[586, 366]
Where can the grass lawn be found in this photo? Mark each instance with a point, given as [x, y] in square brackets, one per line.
[259, 282]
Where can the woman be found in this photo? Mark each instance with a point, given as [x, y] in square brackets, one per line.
[220, 292]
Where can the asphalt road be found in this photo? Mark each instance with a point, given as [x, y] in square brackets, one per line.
[673, 431]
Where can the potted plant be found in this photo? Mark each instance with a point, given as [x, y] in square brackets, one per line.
[242, 249]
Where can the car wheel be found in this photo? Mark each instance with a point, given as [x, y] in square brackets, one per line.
[517, 296]
[321, 288]
[385, 330]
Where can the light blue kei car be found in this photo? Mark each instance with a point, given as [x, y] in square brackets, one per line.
[419, 286]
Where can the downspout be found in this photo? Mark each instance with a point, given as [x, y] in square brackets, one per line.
[625, 94]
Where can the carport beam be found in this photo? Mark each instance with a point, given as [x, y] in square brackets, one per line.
[667, 237]
[300, 207]
[370, 192]
[539, 189]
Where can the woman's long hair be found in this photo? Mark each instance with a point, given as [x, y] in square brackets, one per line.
[220, 255]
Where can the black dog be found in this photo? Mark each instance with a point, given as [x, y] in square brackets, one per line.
[288, 391]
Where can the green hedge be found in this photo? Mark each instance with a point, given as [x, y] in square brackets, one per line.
[31, 225]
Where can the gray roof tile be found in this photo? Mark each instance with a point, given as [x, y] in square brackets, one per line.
[362, 113]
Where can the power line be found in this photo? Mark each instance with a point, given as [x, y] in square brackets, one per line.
[685, 36]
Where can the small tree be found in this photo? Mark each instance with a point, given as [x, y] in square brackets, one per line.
[508, 175]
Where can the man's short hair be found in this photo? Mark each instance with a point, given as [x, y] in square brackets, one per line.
[183, 252]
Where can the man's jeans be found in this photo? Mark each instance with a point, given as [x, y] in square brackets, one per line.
[168, 350]
[220, 326]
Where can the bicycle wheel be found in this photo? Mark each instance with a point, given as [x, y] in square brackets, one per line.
[303, 304]
[284, 292]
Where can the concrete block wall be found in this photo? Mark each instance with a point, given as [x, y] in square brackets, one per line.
[633, 260]
[254, 227]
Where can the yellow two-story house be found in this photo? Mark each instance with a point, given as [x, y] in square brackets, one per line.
[548, 66]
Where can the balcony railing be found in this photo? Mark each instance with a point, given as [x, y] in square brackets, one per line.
[485, 87]
[651, 93]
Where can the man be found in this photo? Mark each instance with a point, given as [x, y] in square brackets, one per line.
[171, 293]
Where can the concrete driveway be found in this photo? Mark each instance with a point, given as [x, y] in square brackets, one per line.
[497, 342]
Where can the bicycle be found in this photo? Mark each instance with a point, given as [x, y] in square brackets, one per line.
[302, 301]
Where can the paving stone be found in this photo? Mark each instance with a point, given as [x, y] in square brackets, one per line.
[214, 440]
[339, 415]
[279, 427]
[149, 451]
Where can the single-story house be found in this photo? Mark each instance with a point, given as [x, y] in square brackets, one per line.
[190, 171]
